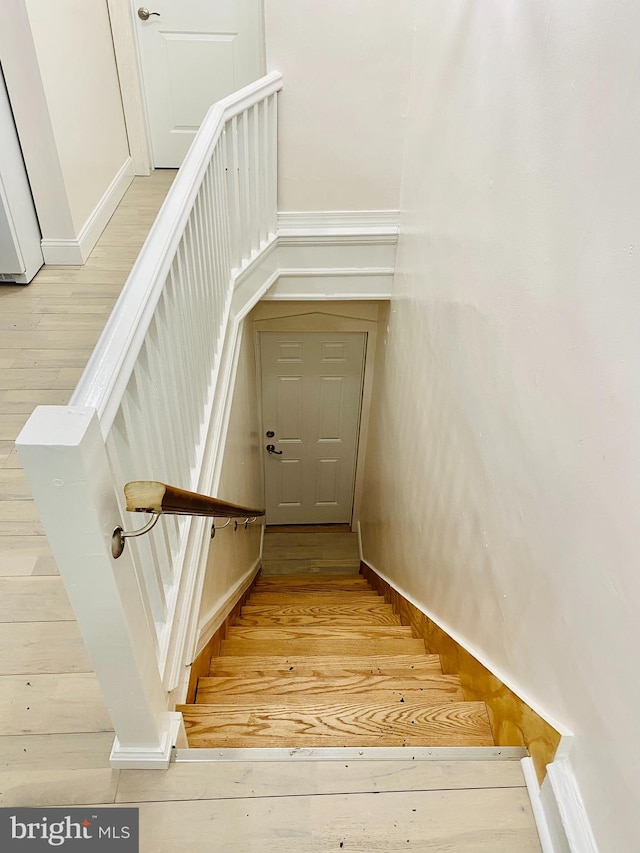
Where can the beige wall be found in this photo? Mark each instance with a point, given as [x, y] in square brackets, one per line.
[503, 475]
[63, 84]
[234, 553]
[341, 113]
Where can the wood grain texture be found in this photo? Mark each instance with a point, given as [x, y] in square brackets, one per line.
[339, 614]
[513, 722]
[329, 632]
[339, 724]
[309, 599]
[431, 689]
[336, 648]
[322, 664]
[320, 684]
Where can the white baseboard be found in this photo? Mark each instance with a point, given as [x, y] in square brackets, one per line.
[565, 812]
[508, 682]
[217, 614]
[359, 532]
[75, 251]
[539, 815]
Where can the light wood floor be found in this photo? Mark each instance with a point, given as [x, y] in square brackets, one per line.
[55, 734]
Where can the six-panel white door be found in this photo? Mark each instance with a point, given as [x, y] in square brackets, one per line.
[194, 52]
[311, 399]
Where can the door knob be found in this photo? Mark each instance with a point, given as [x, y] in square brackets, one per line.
[145, 14]
[271, 448]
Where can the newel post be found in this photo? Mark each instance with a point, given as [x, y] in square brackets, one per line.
[64, 457]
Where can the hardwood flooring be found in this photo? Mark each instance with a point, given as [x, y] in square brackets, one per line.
[281, 704]
[55, 735]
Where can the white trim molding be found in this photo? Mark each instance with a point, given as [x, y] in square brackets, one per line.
[126, 50]
[533, 789]
[75, 251]
[565, 812]
[212, 620]
[294, 223]
[329, 254]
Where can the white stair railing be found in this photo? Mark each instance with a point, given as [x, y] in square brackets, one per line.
[142, 411]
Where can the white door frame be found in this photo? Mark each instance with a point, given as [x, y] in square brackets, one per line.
[314, 319]
[125, 45]
[127, 52]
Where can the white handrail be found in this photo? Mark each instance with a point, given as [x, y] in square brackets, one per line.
[112, 358]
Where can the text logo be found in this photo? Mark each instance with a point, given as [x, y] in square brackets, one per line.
[30, 830]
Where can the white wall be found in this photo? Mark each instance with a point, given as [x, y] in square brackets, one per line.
[233, 553]
[503, 478]
[346, 70]
[61, 75]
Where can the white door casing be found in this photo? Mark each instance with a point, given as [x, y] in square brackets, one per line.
[311, 400]
[193, 53]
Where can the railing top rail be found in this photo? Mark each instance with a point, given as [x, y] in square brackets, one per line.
[111, 362]
[161, 499]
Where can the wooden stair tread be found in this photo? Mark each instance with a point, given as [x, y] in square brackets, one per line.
[428, 688]
[357, 620]
[344, 724]
[322, 660]
[320, 614]
[286, 599]
[319, 683]
[339, 647]
[267, 633]
[249, 665]
[433, 696]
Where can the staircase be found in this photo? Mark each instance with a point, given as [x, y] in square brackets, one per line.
[322, 661]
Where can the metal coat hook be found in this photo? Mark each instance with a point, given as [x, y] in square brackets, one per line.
[119, 536]
[245, 523]
[221, 527]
